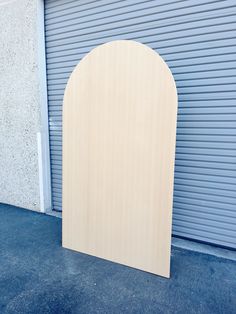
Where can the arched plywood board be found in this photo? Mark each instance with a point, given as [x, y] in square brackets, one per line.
[119, 129]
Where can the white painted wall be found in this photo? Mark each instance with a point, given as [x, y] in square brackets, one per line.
[24, 149]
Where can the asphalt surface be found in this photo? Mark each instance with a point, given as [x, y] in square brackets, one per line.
[38, 276]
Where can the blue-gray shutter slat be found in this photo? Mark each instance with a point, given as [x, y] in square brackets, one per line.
[197, 40]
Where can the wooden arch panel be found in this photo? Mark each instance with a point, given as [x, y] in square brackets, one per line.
[119, 130]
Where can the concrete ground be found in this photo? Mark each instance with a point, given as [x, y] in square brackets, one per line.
[38, 276]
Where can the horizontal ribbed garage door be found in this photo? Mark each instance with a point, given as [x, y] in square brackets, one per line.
[197, 38]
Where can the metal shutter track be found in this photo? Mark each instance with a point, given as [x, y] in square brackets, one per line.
[197, 40]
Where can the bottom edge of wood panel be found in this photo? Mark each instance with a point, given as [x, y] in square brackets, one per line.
[161, 274]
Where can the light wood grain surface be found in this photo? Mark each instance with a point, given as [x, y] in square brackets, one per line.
[119, 130]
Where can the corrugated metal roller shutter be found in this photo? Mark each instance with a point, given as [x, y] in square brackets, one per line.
[197, 40]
